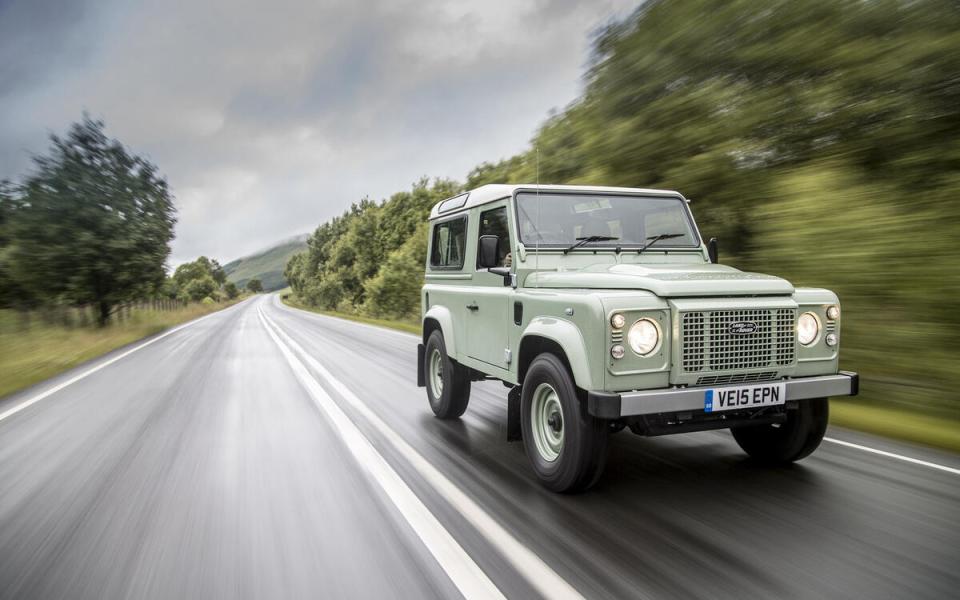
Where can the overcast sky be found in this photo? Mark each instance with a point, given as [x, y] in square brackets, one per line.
[268, 118]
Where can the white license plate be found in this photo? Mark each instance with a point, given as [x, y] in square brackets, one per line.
[747, 396]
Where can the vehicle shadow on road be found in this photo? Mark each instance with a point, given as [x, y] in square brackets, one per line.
[663, 503]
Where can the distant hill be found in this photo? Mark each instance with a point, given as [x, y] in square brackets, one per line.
[266, 265]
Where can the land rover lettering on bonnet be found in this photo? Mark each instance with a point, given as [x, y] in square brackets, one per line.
[603, 309]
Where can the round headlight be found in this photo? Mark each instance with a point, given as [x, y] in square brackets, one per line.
[644, 337]
[618, 321]
[808, 328]
[833, 312]
[617, 352]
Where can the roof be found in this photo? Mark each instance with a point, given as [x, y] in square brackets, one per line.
[498, 191]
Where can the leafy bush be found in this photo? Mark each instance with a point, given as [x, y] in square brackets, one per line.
[197, 289]
[231, 291]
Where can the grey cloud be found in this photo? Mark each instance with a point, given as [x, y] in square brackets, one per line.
[37, 39]
[270, 118]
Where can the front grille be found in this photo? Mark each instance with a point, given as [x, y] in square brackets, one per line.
[707, 343]
[736, 378]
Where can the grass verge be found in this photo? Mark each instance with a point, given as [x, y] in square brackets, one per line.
[860, 414]
[31, 354]
[896, 422]
[407, 326]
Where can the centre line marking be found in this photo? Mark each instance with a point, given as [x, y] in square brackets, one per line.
[452, 558]
[908, 459]
[537, 573]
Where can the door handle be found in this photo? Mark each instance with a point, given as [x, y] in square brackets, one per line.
[473, 306]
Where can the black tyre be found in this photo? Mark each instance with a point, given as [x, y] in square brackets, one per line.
[448, 383]
[566, 446]
[790, 441]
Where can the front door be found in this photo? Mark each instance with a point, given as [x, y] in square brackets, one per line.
[488, 321]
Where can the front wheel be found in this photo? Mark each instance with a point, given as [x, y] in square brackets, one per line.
[566, 446]
[787, 442]
[448, 383]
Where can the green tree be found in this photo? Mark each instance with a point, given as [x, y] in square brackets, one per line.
[395, 290]
[12, 293]
[198, 289]
[349, 251]
[217, 272]
[95, 223]
[293, 271]
[200, 269]
[254, 286]
[230, 289]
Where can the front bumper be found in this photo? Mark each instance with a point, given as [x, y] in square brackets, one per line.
[650, 402]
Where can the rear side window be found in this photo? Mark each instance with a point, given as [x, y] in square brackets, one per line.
[449, 242]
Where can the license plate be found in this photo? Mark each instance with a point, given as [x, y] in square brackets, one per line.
[748, 396]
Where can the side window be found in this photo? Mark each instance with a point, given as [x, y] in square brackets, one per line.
[449, 242]
[494, 222]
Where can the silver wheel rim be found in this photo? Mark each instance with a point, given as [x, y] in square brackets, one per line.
[436, 373]
[546, 418]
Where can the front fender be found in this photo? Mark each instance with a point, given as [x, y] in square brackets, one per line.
[568, 336]
[441, 315]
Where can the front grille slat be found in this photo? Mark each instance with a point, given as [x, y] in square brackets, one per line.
[736, 378]
[708, 345]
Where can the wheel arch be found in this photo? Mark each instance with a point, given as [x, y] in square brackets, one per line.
[439, 317]
[561, 338]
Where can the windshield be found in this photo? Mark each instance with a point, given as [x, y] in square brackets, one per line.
[561, 220]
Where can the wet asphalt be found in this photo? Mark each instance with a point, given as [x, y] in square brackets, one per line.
[201, 466]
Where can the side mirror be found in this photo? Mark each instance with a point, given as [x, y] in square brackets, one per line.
[489, 247]
[713, 249]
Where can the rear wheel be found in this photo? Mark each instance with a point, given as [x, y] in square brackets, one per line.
[566, 446]
[787, 442]
[448, 383]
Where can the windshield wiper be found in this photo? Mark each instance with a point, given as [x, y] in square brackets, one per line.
[590, 238]
[656, 238]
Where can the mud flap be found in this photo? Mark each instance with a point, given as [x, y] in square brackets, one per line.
[421, 379]
[514, 431]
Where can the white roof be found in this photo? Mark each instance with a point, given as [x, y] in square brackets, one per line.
[498, 191]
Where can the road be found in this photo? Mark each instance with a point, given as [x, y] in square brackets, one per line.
[266, 452]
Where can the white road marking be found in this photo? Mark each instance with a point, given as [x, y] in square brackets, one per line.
[453, 559]
[530, 566]
[833, 440]
[908, 459]
[46, 394]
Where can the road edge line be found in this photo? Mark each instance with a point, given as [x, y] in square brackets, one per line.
[531, 567]
[46, 394]
[908, 459]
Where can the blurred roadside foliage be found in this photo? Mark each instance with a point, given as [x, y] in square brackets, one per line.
[819, 140]
[370, 259]
[91, 224]
[90, 228]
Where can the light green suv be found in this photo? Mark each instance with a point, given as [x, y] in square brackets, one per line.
[602, 308]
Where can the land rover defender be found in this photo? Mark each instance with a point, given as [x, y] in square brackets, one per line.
[601, 309]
